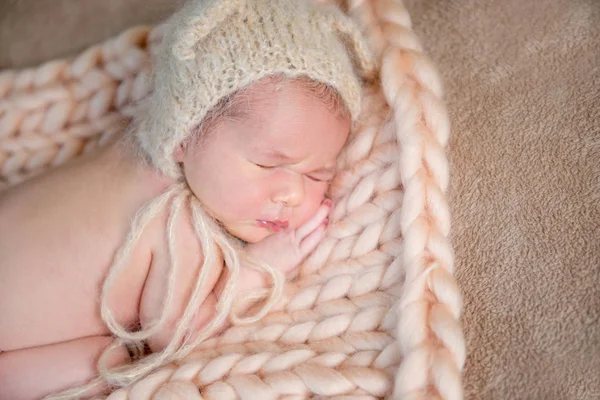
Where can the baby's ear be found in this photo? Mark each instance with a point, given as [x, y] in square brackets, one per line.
[196, 20]
[356, 44]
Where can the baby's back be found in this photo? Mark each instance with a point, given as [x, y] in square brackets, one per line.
[58, 237]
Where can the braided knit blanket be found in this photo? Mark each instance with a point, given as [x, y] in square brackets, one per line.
[374, 312]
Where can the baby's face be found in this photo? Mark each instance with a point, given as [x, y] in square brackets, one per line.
[270, 169]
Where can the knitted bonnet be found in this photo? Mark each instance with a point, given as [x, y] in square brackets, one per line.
[212, 48]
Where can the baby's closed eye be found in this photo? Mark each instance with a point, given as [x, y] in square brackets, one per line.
[319, 179]
[315, 178]
[265, 166]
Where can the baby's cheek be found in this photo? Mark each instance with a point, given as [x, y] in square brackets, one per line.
[243, 199]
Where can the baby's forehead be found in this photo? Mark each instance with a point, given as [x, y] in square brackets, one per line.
[274, 108]
[283, 118]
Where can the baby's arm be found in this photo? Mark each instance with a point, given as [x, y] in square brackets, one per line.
[284, 250]
[188, 261]
[39, 371]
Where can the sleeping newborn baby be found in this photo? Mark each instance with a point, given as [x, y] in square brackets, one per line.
[218, 189]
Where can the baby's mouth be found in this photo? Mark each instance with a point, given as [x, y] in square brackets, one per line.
[275, 226]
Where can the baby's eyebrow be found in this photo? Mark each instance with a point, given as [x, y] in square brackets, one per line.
[281, 156]
[278, 155]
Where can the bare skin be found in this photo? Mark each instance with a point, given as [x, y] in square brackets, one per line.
[59, 234]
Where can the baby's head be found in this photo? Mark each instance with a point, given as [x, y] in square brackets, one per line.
[262, 160]
[253, 102]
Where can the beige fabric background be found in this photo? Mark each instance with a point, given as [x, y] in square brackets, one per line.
[523, 90]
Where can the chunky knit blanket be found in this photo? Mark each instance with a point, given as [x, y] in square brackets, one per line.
[374, 311]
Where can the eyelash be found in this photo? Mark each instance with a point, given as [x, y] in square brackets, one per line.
[309, 177]
[315, 179]
[263, 166]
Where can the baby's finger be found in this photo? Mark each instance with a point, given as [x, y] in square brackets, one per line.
[314, 222]
[313, 239]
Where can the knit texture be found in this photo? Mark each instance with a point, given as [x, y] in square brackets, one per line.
[374, 311]
[213, 48]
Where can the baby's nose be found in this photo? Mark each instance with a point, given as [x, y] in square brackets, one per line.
[290, 192]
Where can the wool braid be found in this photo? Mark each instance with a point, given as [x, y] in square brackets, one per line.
[332, 371]
[268, 374]
[429, 333]
[61, 109]
[342, 305]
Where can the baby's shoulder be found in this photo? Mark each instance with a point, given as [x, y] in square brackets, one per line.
[173, 231]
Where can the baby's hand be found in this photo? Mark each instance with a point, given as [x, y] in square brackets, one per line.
[285, 250]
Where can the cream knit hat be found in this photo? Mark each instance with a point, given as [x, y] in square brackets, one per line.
[213, 48]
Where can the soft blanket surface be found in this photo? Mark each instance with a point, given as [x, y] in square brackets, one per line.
[522, 86]
[523, 89]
